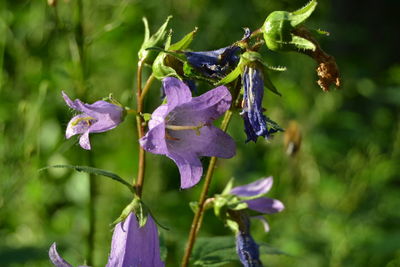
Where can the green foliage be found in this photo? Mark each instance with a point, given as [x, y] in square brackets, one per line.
[341, 189]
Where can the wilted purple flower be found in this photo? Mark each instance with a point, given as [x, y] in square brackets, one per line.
[214, 64]
[135, 246]
[101, 116]
[56, 259]
[247, 250]
[182, 129]
[260, 204]
[255, 122]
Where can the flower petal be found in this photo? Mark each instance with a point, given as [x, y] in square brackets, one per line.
[247, 250]
[56, 258]
[211, 142]
[76, 126]
[265, 205]
[190, 168]
[176, 91]
[84, 141]
[263, 221]
[204, 108]
[154, 140]
[258, 187]
[135, 246]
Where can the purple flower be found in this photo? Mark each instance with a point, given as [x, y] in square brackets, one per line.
[56, 259]
[131, 245]
[257, 202]
[101, 116]
[135, 246]
[247, 250]
[214, 64]
[182, 129]
[255, 122]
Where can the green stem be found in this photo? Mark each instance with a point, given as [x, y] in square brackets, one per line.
[80, 40]
[197, 219]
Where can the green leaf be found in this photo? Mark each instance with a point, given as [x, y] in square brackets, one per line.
[220, 250]
[94, 171]
[302, 43]
[146, 116]
[214, 251]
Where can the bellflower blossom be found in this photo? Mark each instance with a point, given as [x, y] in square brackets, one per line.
[255, 122]
[258, 203]
[131, 245]
[246, 247]
[182, 129]
[135, 246]
[214, 64]
[101, 116]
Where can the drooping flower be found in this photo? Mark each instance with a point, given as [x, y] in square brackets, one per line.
[131, 245]
[135, 246]
[101, 116]
[214, 64]
[252, 196]
[255, 122]
[182, 129]
[57, 260]
[247, 250]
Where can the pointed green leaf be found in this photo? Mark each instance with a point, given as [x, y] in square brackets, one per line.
[268, 83]
[95, 171]
[228, 187]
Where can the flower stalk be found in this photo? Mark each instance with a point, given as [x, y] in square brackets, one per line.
[197, 219]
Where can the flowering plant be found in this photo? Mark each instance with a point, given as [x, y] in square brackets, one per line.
[183, 127]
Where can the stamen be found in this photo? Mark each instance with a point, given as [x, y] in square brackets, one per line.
[188, 127]
[85, 119]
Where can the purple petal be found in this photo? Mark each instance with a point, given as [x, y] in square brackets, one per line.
[206, 107]
[84, 141]
[211, 142]
[109, 114]
[134, 246]
[265, 205]
[56, 259]
[190, 168]
[75, 127]
[263, 221]
[258, 187]
[176, 91]
[154, 140]
[158, 116]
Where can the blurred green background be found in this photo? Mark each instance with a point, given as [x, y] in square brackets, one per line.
[341, 190]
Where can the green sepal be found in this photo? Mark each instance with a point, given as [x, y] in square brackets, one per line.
[161, 68]
[299, 16]
[270, 86]
[234, 74]
[228, 187]
[146, 116]
[233, 225]
[156, 39]
[137, 207]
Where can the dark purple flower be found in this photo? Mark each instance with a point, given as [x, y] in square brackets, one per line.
[182, 129]
[101, 116]
[247, 250]
[56, 259]
[135, 246]
[214, 64]
[252, 195]
[255, 122]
